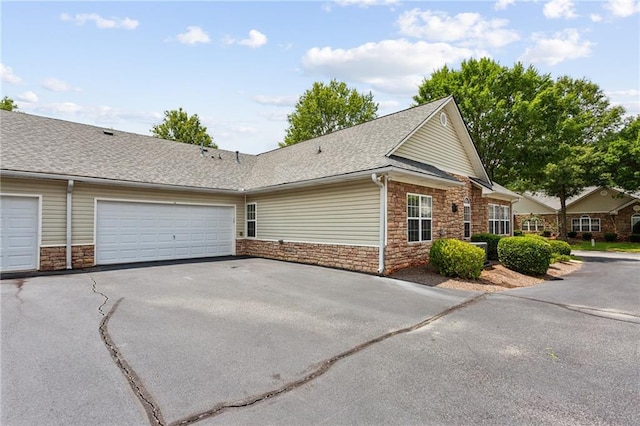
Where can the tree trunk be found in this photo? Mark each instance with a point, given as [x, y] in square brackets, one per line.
[563, 215]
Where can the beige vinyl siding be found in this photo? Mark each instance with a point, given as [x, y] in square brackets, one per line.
[527, 206]
[84, 195]
[54, 205]
[439, 146]
[597, 203]
[346, 213]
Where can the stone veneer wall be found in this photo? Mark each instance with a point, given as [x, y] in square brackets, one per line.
[55, 258]
[355, 258]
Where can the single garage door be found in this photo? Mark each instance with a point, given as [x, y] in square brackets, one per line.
[18, 233]
[138, 232]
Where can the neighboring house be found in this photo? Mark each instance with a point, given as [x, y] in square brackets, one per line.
[596, 209]
[369, 198]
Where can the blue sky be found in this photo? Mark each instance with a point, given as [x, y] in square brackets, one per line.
[241, 66]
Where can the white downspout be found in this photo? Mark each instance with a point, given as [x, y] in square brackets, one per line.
[69, 213]
[383, 217]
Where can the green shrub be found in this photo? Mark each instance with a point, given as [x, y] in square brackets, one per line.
[517, 233]
[634, 238]
[455, 258]
[610, 237]
[555, 257]
[572, 234]
[587, 236]
[530, 256]
[546, 233]
[492, 243]
[560, 247]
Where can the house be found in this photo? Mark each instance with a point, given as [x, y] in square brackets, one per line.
[597, 209]
[369, 198]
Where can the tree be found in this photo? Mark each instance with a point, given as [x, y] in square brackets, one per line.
[181, 127]
[620, 157]
[326, 108]
[573, 117]
[494, 101]
[8, 104]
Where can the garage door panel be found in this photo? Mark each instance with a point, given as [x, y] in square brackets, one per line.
[130, 231]
[19, 242]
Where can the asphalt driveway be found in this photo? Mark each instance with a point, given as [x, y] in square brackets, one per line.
[255, 341]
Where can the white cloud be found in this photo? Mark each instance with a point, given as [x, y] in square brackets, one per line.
[193, 35]
[56, 85]
[503, 4]
[102, 23]
[366, 3]
[561, 47]
[288, 101]
[559, 9]
[467, 29]
[275, 115]
[7, 75]
[28, 96]
[595, 17]
[623, 8]
[255, 39]
[396, 66]
[625, 93]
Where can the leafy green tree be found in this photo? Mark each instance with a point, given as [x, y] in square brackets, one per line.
[572, 118]
[8, 104]
[621, 157]
[326, 108]
[182, 127]
[495, 102]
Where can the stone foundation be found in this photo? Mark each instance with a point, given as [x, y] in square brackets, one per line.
[82, 256]
[354, 258]
[53, 258]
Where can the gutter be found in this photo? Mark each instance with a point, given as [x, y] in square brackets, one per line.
[69, 223]
[382, 183]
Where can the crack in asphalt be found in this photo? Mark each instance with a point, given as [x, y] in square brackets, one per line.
[584, 310]
[150, 406]
[95, 290]
[323, 367]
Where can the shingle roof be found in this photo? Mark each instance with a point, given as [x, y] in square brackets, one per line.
[554, 202]
[51, 146]
[45, 145]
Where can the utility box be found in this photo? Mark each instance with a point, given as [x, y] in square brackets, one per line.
[484, 246]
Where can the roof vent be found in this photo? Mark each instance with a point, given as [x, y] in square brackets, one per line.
[319, 149]
[237, 156]
[108, 132]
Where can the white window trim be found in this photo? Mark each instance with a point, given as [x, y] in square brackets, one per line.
[538, 225]
[255, 220]
[586, 228]
[501, 220]
[635, 218]
[466, 203]
[419, 219]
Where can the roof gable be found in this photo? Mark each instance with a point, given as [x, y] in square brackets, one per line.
[442, 140]
[598, 200]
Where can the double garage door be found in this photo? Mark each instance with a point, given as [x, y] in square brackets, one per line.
[137, 232]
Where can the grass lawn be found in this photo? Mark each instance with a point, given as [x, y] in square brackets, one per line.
[605, 246]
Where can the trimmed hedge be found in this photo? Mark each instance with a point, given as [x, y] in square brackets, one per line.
[517, 233]
[572, 234]
[560, 247]
[587, 236]
[634, 238]
[492, 243]
[455, 258]
[530, 256]
[546, 233]
[610, 237]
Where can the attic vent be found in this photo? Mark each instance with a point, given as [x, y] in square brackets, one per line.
[108, 132]
[443, 119]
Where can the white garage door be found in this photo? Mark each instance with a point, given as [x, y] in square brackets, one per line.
[18, 233]
[137, 232]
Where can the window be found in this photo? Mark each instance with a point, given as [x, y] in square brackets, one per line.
[418, 217]
[467, 218]
[251, 220]
[585, 224]
[533, 225]
[635, 223]
[499, 219]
